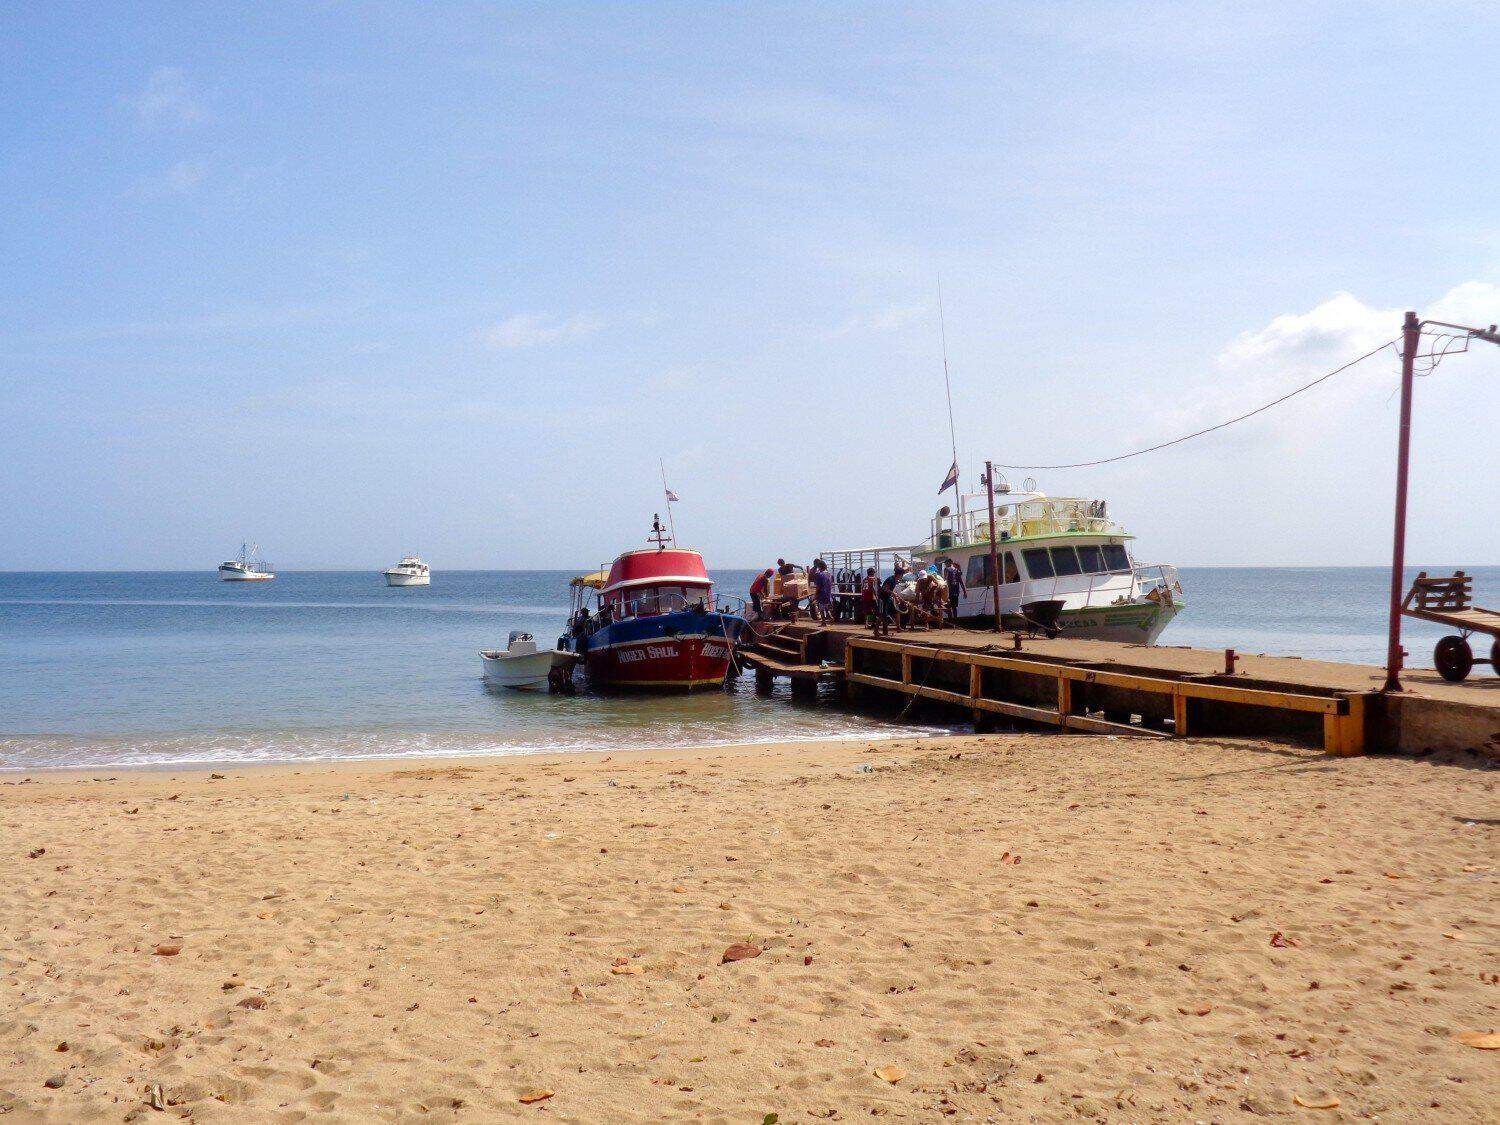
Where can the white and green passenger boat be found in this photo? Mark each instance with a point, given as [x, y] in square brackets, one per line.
[1061, 553]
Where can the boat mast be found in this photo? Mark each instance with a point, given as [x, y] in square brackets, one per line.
[958, 492]
[667, 493]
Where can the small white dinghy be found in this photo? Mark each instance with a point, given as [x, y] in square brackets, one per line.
[522, 664]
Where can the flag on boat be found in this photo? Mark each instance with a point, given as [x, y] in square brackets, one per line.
[672, 497]
[951, 480]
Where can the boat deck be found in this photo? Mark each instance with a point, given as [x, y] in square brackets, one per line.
[1104, 685]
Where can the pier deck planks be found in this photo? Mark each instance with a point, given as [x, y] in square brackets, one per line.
[1354, 717]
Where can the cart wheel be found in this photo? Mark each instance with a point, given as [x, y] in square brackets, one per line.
[1454, 658]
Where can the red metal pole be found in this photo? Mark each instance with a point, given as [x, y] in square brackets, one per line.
[989, 484]
[1411, 334]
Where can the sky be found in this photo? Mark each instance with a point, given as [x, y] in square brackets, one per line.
[350, 280]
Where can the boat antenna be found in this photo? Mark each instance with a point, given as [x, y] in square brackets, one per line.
[671, 499]
[658, 534]
[958, 492]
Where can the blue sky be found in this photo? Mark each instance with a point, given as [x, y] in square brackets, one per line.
[353, 279]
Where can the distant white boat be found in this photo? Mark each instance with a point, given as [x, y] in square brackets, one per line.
[410, 571]
[249, 567]
[522, 664]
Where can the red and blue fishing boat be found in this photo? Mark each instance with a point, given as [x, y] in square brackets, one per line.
[657, 623]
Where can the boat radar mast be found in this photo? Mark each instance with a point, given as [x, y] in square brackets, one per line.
[659, 535]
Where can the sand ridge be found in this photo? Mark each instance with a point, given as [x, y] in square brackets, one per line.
[1015, 927]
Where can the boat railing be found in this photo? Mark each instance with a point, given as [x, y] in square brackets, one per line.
[1156, 582]
[1026, 519]
[849, 565]
[675, 601]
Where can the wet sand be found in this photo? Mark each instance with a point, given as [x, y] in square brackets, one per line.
[1009, 928]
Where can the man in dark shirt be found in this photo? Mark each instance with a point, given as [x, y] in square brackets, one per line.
[888, 595]
[954, 577]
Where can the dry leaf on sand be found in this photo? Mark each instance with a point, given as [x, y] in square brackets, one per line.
[169, 949]
[1483, 1040]
[627, 970]
[891, 1074]
[530, 1096]
[1317, 1101]
[740, 951]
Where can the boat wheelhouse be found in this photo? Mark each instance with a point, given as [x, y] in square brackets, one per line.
[1063, 553]
[656, 622]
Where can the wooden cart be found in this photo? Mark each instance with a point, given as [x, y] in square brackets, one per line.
[1450, 601]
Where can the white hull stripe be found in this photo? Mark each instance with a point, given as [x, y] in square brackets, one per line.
[658, 641]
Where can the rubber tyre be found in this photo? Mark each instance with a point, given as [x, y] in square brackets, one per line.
[1495, 657]
[1454, 659]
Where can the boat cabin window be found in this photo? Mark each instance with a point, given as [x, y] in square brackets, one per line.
[1038, 563]
[1064, 561]
[981, 575]
[1092, 559]
[1114, 555]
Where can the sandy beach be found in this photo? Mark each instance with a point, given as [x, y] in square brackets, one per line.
[1009, 928]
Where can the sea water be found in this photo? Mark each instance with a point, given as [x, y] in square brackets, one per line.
[163, 669]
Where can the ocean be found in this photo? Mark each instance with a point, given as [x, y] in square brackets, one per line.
[161, 669]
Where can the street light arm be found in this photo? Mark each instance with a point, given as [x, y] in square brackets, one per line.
[1490, 334]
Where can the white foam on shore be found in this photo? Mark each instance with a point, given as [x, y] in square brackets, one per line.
[420, 747]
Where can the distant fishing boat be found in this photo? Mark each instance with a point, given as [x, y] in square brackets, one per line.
[249, 567]
[656, 622]
[410, 571]
[1061, 560]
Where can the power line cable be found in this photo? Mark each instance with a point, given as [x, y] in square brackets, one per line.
[1211, 429]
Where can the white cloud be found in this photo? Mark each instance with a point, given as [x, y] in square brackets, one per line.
[1475, 303]
[677, 379]
[891, 318]
[803, 114]
[1340, 328]
[1343, 327]
[239, 320]
[168, 99]
[182, 178]
[532, 330]
[1295, 348]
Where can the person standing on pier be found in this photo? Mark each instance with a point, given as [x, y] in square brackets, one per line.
[869, 594]
[759, 589]
[822, 583]
[888, 607]
[953, 575]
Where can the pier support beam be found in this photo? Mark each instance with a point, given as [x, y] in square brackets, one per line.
[1347, 735]
[1180, 715]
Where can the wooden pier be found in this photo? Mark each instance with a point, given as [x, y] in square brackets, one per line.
[1148, 691]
